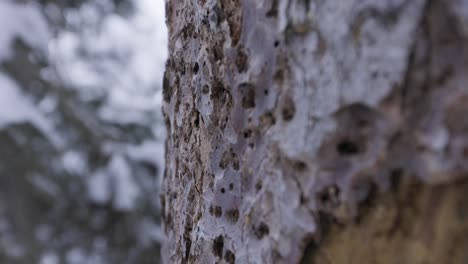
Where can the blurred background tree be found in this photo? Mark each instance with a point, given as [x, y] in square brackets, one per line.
[81, 136]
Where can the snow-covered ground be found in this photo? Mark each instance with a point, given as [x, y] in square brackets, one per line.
[86, 81]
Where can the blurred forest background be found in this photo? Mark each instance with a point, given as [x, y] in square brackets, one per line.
[81, 133]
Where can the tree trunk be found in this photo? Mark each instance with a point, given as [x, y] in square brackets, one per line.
[316, 131]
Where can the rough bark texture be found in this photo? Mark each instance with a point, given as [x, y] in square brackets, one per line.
[315, 130]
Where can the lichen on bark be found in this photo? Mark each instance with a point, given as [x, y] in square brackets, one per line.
[280, 111]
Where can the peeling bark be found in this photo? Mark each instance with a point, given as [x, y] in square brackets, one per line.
[283, 113]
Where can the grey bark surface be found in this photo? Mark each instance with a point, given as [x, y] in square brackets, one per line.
[281, 110]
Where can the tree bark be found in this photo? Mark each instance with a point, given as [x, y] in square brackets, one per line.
[316, 131]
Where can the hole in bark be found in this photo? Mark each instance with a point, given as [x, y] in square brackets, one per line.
[223, 190]
[348, 147]
[235, 162]
[232, 215]
[261, 230]
[273, 12]
[218, 245]
[195, 68]
[188, 245]
[241, 60]
[205, 89]
[167, 122]
[188, 241]
[248, 99]
[276, 43]
[162, 198]
[183, 69]
[218, 52]
[329, 196]
[167, 88]
[266, 91]
[302, 199]
[247, 133]
[196, 122]
[267, 120]
[310, 251]
[218, 211]
[217, 89]
[229, 257]
[231, 186]
[258, 186]
[289, 109]
[300, 166]
[279, 76]
[224, 160]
